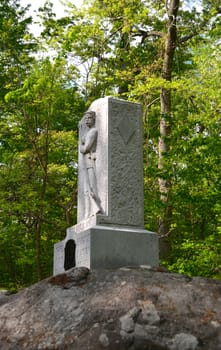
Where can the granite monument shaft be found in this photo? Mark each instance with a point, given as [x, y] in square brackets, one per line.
[110, 221]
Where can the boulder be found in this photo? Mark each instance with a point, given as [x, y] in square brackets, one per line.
[129, 308]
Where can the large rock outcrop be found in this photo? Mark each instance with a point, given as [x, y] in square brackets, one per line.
[128, 308]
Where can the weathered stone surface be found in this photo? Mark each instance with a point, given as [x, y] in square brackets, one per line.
[128, 308]
[110, 222]
[112, 247]
[119, 163]
[184, 341]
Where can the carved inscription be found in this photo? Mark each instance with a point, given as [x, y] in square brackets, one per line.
[83, 249]
[59, 257]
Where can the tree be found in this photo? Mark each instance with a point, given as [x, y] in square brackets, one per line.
[144, 51]
[38, 183]
[16, 45]
[16, 49]
[196, 182]
[147, 57]
[165, 109]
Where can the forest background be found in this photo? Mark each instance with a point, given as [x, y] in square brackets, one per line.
[163, 54]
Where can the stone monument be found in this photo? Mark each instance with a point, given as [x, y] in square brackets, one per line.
[110, 221]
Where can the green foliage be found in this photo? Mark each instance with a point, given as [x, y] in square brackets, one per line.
[39, 170]
[202, 257]
[195, 169]
[107, 48]
[16, 45]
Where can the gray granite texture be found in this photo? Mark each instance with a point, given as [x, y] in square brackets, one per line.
[119, 163]
[110, 222]
[121, 309]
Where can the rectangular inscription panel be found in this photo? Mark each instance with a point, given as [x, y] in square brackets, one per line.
[83, 249]
[59, 257]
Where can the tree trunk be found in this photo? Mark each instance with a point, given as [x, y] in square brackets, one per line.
[165, 103]
[124, 46]
[44, 163]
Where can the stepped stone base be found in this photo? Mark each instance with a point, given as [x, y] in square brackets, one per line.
[106, 247]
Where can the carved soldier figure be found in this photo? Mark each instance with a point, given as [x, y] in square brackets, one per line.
[88, 145]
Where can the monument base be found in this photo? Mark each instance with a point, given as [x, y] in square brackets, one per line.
[106, 247]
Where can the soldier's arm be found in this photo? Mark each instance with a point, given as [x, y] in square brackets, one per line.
[90, 139]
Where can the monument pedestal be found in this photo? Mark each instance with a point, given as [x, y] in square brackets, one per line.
[104, 246]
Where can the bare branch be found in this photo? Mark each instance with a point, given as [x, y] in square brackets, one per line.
[187, 37]
[152, 102]
[145, 34]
